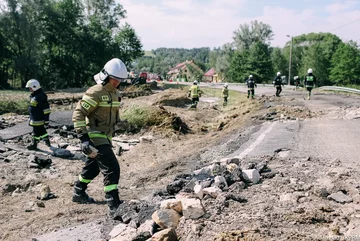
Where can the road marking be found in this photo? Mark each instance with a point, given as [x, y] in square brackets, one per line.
[256, 142]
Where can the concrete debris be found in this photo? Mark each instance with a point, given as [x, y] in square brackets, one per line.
[165, 235]
[166, 218]
[252, 176]
[122, 232]
[220, 182]
[62, 153]
[212, 191]
[199, 191]
[232, 160]
[231, 167]
[146, 139]
[237, 187]
[2, 147]
[172, 204]
[39, 161]
[192, 208]
[45, 193]
[340, 197]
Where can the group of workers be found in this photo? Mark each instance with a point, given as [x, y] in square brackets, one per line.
[95, 119]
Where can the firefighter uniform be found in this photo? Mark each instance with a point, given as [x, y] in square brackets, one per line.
[194, 93]
[309, 82]
[277, 84]
[250, 82]
[39, 111]
[225, 94]
[95, 118]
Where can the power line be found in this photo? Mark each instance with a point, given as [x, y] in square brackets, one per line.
[344, 24]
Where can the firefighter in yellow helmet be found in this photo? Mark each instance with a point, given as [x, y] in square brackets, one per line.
[95, 118]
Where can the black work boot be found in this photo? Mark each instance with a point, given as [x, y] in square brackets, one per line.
[47, 141]
[113, 201]
[33, 145]
[80, 196]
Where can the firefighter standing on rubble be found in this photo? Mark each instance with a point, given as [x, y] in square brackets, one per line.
[194, 93]
[95, 119]
[39, 111]
[309, 82]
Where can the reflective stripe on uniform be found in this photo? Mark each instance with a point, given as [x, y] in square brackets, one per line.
[81, 179]
[89, 100]
[111, 104]
[47, 111]
[36, 123]
[79, 124]
[45, 135]
[99, 135]
[111, 187]
[33, 102]
[37, 138]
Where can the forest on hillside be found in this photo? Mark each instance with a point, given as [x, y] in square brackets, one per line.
[63, 43]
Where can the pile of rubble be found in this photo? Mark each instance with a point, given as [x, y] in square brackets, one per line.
[187, 198]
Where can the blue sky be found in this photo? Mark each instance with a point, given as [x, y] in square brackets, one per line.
[211, 23]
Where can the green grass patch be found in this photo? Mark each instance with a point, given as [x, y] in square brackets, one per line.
[142, 116]
[19, 107]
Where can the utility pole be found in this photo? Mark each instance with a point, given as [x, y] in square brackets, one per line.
[290, 60]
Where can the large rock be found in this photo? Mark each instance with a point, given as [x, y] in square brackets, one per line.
[175, 187]
[220, 182]
[63, 153]
[2, 147]
[199, 191]
[212, 191]
[146, 227]
[172, 204]
[237, 186]
[340, 197]
[211, 170]
[166, 218]
[231, 160]
[192, 208]
[251, 175]
[146, 139]
[165, 235]
[122, 232]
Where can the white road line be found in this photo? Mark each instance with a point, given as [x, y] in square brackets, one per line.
[256, 142]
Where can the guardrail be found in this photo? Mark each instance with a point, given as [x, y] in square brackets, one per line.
[338, 88]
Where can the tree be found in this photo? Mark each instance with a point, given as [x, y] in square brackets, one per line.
[279, 62]
[239, 68]
[346, 64]
[128, 44]
[247, 34]
[259, 62]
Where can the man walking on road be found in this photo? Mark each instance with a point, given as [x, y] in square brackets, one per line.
[309, 82]
[39, 111]
[250, 82]
[277, 84]
[95, 118]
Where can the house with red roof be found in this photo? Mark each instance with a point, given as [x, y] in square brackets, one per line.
[211, 76]
[184, 71]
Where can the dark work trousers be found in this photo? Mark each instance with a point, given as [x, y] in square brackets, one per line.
[194, 101]
[309, 89]
[252, 92]
[225, 99]
[105, 162]
[278, 90]
[39, 132]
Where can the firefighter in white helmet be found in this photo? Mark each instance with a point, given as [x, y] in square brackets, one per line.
[95, 118]
[194, 94]
[39, 111]
[278, 83]
[250, 83]
[309, 82]
[225, 94]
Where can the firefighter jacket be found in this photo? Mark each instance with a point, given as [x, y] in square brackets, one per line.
[97, 113]
[250, 84]
[277, 81]
[310, 80]
[225, 92]
[195, 91]
[39, 108]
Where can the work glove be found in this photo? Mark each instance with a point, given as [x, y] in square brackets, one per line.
[85, 144]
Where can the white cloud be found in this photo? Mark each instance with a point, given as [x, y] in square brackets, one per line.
[188, 24]
[340, 6]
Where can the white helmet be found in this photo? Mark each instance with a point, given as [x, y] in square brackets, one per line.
[33, 84]
[195, 82]
[114, 68]
[226, 85]
[309, 71]
[250, 76]
[296, 77]
[278, 73]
